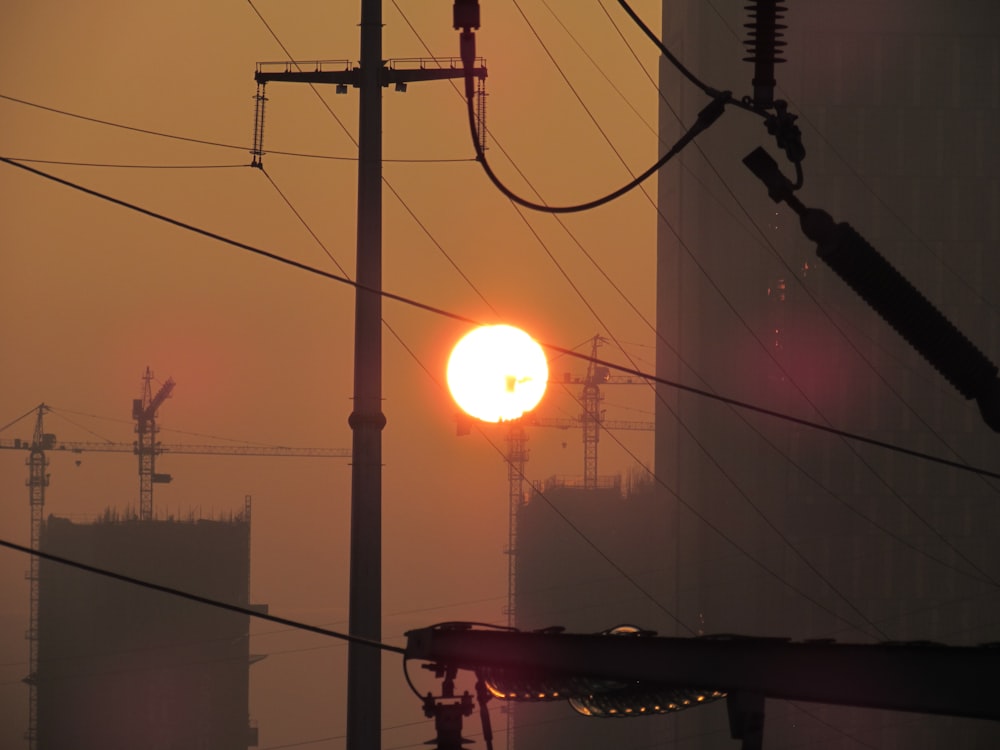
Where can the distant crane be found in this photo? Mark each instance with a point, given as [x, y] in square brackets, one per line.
[592, 415]
[146, 447]
[144, 414]
[591, 419]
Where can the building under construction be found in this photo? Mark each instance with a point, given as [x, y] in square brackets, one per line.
[122, 667]
[114, 665]
[563, 578]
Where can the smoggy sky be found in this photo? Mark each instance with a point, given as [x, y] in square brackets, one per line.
[94, 293]
[262, 353]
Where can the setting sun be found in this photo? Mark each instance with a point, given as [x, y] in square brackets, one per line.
[497, 373]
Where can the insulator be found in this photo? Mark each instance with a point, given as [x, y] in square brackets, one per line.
[257, 152]
[764, 44]
[481, 113]
[902, 306]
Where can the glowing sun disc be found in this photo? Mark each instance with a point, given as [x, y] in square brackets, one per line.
[496, 373]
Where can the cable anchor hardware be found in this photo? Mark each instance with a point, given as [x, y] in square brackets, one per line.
[448, 712]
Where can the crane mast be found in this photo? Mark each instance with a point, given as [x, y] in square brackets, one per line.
[146, 446]
[38, 480]
[517, 457]
[592, 415]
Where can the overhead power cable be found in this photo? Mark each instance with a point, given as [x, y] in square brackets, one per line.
[107, 165]
[681, 68]
[465, 319]
[200, 599]
[705, 119]
[202, 141]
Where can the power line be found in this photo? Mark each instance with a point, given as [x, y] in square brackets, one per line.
[202, 141]
[465, 319]
[303, 222]
[705, 119]
[125, 166]
[200, 599]
[571, 87]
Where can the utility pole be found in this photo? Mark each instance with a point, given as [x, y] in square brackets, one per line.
[366, 420]
[364, 665]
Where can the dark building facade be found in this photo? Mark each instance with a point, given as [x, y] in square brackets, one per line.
[755, 525]
[122, 667]
[782, 529]
[574, 545]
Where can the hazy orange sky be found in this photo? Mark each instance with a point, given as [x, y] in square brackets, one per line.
[261, 353]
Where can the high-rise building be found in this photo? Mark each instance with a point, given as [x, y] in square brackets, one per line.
[123, 667]
[782, 529]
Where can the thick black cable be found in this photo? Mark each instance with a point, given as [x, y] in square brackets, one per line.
[200, 599]
[681, 68]
[706, 118]
[708, 90]
[471, 321]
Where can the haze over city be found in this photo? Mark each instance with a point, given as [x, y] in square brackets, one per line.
[155, 105]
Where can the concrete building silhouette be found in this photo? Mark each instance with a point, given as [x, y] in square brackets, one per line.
[125, 667]
[755, 525]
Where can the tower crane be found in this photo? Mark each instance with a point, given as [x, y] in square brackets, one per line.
[147, 448]
[144, 414]
[591, 419]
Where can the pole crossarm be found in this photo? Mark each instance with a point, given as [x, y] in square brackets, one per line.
[921, 677]
[394, 72]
